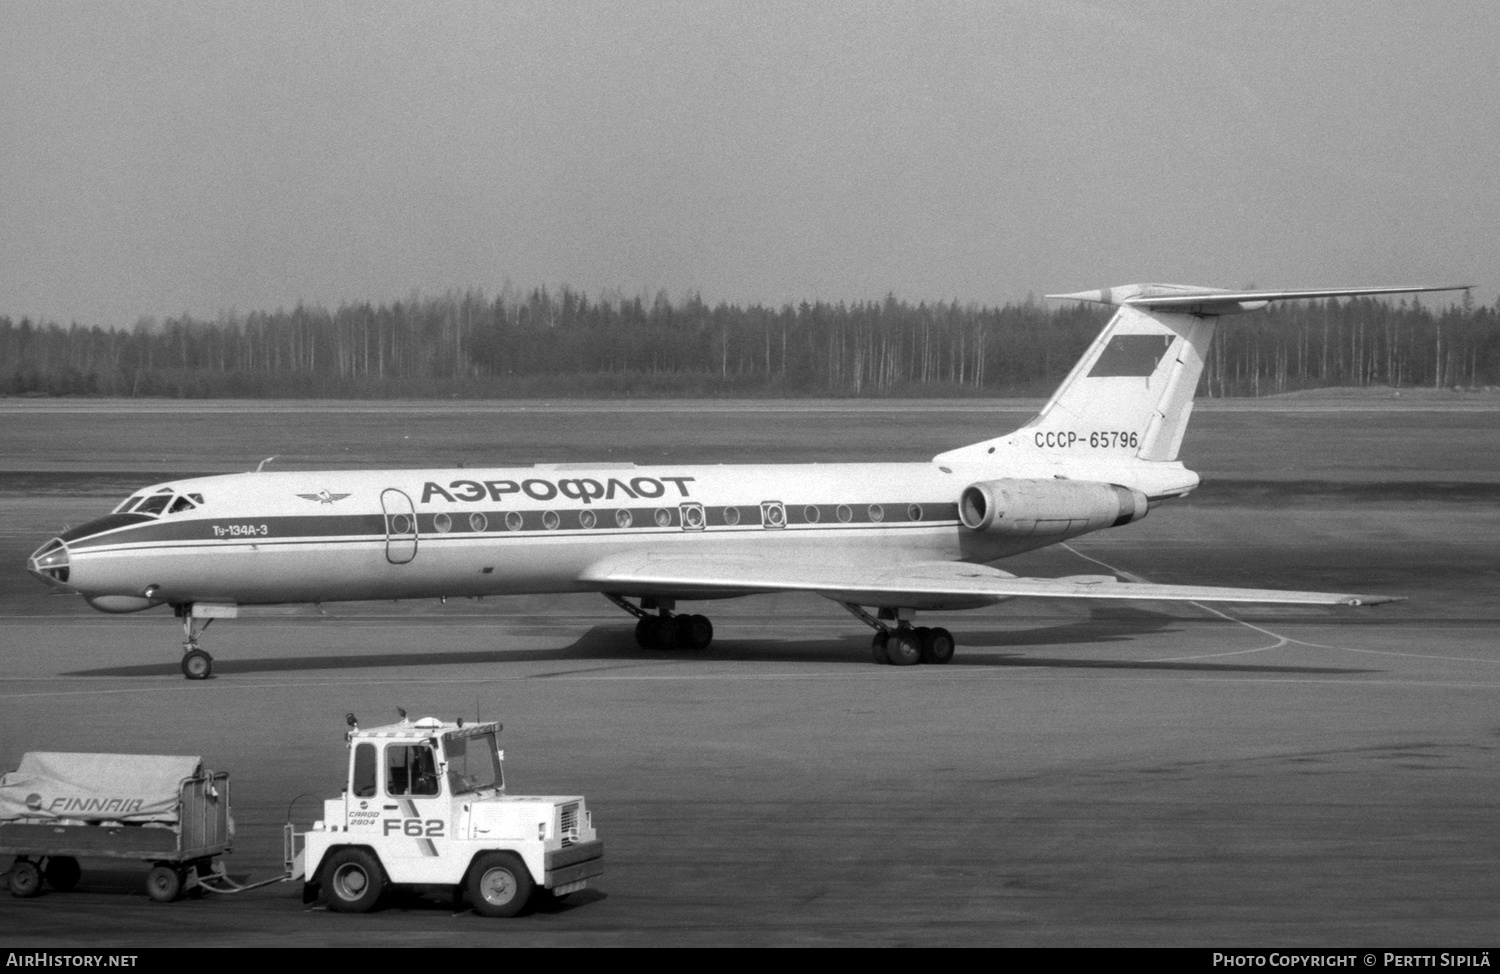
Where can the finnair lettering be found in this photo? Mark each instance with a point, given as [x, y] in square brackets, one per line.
[69, 804]
[584, 489]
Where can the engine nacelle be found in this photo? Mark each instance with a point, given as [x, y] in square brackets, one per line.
[1020, 508]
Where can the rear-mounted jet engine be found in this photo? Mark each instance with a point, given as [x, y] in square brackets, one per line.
[1023, 508]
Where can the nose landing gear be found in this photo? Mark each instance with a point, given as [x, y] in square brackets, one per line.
[196, 663]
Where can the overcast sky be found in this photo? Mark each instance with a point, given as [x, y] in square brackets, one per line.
[162, 158]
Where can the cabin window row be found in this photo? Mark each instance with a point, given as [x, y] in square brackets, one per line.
[689, 517]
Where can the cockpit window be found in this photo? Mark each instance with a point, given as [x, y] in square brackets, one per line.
[154, 504]
[164, 501]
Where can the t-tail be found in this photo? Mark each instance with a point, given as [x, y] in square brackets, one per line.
[1130, 396]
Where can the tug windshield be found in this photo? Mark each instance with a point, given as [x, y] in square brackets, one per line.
[473, 764]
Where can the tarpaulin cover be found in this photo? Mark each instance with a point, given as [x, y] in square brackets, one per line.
[95, 787]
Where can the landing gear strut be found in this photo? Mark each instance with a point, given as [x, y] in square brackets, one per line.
[666, 630]
[903, 644]
[196, 663]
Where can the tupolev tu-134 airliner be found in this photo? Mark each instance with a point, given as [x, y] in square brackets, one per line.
[884, 540]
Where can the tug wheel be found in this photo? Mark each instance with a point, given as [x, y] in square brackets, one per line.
[353, 881]
[25, 879]
[197, 665]
[499, 885]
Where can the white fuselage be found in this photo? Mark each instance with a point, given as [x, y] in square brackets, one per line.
[315, 536]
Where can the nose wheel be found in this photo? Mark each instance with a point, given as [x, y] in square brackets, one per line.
[197, 664]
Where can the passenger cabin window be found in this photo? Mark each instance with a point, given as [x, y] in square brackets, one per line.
[364, 771]
[410, 769]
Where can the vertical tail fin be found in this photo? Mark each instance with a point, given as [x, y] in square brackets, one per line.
[1131, 395]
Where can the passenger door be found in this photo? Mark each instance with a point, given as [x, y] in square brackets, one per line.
[400, 526]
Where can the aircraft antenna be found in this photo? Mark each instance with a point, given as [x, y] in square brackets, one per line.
[263, 463]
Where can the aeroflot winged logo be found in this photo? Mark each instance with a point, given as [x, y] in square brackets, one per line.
[323, 496]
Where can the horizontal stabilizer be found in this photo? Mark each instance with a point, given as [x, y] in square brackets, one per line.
[1188, 299]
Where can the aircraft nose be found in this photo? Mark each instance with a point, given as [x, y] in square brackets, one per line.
[50, 563]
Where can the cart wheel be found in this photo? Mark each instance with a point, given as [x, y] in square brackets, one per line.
[164, 883]
[25, 879]
[354, 881]
[62, 873]
[197, 665]
[499, 885]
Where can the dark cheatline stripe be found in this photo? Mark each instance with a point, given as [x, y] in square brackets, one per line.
[491, 523]
[1131, 355]
[107, 523]
[246, 529]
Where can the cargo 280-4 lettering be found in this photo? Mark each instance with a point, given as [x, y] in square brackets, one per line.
[884, 540]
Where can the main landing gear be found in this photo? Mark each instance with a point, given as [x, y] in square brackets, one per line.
[903, 644]
[666, 630]
[196, 663]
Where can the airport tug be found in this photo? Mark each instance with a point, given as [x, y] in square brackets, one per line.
[425, 806]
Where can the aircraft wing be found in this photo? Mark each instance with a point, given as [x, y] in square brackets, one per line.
[918, 585]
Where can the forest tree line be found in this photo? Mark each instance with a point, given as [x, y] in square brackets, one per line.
[562, 344]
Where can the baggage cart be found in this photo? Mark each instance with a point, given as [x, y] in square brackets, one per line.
[181, 839]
